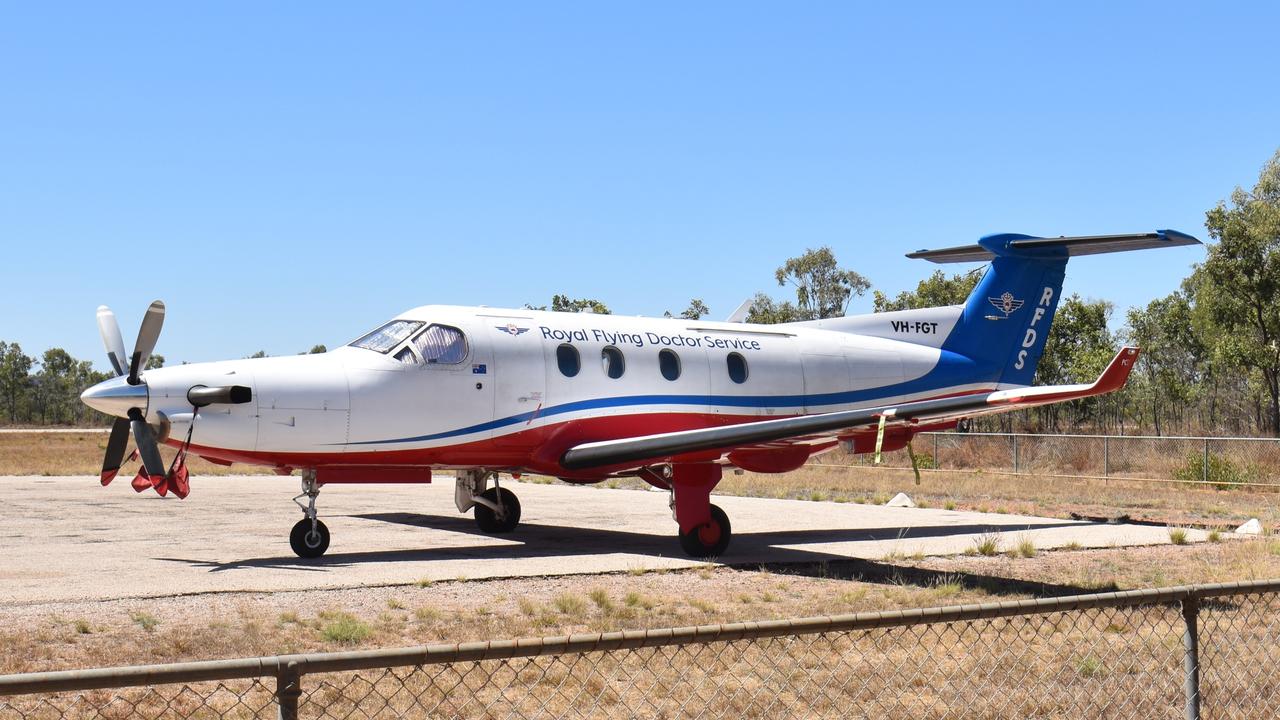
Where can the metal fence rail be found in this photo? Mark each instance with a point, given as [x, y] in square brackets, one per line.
[1147, 654]
[1222, 462]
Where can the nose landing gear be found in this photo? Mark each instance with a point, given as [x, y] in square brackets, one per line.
[309, 537]
[497, 508]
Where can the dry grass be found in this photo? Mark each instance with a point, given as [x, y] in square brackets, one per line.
[216, 626]
[1134, 648]
[54, 454]
[1172, 504]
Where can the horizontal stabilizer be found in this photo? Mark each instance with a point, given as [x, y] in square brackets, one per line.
[1026, 246]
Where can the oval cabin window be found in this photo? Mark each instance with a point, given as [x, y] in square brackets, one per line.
[613, 362]
[669, 364]
[737, 368]
[568, 360]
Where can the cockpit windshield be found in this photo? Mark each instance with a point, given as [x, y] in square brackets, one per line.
[388, 336]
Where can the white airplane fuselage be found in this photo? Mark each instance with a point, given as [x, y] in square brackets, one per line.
[508, 404]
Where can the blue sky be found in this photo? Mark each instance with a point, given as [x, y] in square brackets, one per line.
[290, 174]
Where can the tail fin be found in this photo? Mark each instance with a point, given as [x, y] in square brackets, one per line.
[1006, 319]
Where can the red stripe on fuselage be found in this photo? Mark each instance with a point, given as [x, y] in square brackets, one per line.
[535, 449]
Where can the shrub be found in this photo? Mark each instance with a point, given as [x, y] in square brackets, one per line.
[925, 461]
[1222, 473]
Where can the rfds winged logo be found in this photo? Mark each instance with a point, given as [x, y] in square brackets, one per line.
[1006, 304]
[511, 329]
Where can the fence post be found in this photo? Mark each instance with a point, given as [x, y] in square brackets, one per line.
[1191, 655]
[288, 690]
[1106, 456]
[1015, 454]
[1204, 467]
[936, 463]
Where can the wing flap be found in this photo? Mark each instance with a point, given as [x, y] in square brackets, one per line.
[656, 448]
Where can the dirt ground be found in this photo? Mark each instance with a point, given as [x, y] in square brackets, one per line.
[67, 635]
[222, 625]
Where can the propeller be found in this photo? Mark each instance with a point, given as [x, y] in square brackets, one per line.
[127, 397]
[134, 397]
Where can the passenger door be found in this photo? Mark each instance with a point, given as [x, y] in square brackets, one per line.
[517, 372]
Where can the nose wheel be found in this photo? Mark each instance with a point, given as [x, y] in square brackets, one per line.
[309, 537]
[503, 516]
[497, 508]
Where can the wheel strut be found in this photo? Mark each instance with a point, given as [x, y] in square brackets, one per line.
[309, 537]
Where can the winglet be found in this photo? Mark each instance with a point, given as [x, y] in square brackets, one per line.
[1112, 378]
[1117, 372]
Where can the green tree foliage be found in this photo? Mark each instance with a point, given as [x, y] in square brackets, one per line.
[563, 303]
[46, 391]
[1171, 368]
[259, 354]
[696, 310]
[1237, 286]
[154, 361]
[317, 349]
[15, 380]
[933, 291]
[823, 289]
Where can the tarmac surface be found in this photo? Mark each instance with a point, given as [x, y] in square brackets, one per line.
[69, 539]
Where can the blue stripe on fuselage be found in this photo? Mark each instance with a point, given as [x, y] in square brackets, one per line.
[952, 369]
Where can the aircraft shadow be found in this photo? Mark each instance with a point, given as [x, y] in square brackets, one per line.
[549, 541]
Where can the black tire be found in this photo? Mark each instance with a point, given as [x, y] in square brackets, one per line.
[488, 520]
[709, 540]
[306, 543]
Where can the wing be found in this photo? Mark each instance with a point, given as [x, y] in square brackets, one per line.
[658, 448]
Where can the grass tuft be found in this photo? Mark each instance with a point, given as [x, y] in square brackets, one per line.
[343, 628]
[601, 598]
[145, 621]
[1177, 536]
[570, 604]
[1026, 547]
[987, 544]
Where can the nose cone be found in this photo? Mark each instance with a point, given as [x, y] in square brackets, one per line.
[115, 397]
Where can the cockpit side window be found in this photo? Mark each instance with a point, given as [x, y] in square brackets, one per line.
[441, 344]
[388, 336]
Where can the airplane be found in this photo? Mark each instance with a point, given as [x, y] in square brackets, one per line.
[583, 397]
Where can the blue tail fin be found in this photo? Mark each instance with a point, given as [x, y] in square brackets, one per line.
[1006, 318]
[1005, 321]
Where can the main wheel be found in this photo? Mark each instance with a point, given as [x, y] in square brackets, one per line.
[308, 543]
[710, 539]
[488, 520]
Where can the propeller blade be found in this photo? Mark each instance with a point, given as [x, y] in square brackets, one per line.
[145, 439]
[111, 338]
[148, 334]
[115, 450]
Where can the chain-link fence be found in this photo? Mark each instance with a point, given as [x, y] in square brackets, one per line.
[1138, 654]
[1217, 461]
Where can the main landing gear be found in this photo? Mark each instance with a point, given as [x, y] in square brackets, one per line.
[704, 528]
[497, 508]
[309, 537]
